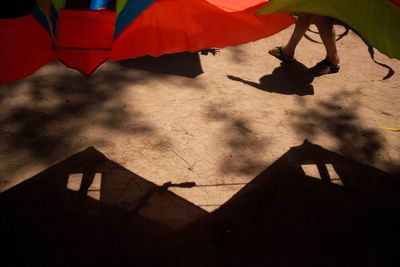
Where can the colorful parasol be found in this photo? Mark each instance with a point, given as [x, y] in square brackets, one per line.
[376, 21]
[83, 38]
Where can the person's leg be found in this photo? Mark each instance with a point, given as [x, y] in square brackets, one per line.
[328, 37]
[302, 25]
[286, 53]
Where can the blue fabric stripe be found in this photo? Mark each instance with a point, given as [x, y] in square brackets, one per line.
[131, 11]
[98, 4]
[54, 18]
[37, 12]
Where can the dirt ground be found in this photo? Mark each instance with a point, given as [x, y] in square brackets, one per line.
[202, 160]
[213, 120]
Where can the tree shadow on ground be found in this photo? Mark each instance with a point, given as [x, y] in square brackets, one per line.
[311, 207]
[240, 139]
[69, 99]
[289, 78]
[40, 114]
[342, 124]
[44, 116]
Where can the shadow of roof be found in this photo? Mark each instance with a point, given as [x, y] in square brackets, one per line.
[311, 207]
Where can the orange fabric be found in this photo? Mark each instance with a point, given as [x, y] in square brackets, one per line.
[236, 5]
[25, 46]
[169, 26]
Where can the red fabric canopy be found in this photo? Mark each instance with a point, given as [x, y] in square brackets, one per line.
[397, 2]
[25, 46]
[85, 39]
[169, 26]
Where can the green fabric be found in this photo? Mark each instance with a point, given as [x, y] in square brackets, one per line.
[376, 21]
[120, 5]
[58, 4]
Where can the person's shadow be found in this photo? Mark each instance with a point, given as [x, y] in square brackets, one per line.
[289, 79]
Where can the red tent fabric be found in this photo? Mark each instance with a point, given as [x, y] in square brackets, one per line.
[25, 46]
[169, 26]
[397, 2]
[85, 39]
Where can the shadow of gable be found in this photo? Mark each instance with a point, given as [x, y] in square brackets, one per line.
[312, 207]
[90, 211]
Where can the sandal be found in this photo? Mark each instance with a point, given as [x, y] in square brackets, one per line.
[279, 53]
[325, 67]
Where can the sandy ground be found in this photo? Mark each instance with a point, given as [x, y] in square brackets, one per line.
[218, 129]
